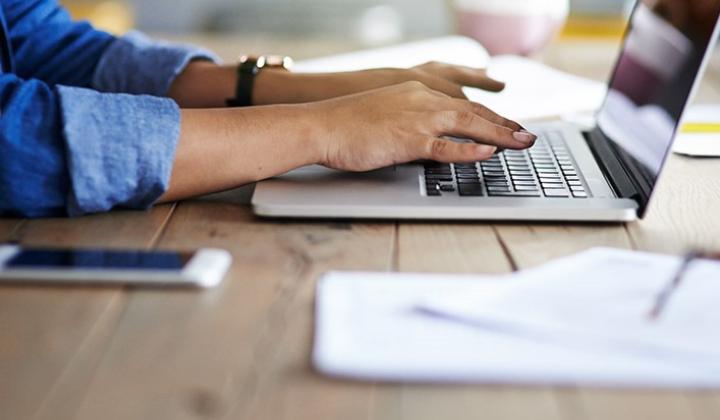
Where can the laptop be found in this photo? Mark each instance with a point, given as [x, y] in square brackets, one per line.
[607, 174]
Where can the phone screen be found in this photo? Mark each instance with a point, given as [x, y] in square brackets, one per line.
[99, 260]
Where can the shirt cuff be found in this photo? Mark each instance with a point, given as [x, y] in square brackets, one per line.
[136, 64]
[120, 148]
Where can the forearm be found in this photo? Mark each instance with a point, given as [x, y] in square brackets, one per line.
[207, 85]
[220, 149]
[204, 84]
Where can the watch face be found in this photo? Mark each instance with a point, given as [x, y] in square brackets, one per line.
[278, 61]
[271, 61]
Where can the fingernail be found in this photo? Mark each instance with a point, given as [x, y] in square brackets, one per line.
[524, 136]
[484, 151]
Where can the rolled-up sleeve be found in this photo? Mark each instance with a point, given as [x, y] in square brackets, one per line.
[138, 65]
[70, 150]
[121, 136]
[85, 124]
[120, 148]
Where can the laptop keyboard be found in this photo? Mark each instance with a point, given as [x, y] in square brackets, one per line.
[545, 170]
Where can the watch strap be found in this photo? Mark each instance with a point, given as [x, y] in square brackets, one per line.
[246, 72]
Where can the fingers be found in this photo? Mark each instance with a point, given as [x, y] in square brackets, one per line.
[447, 151]
[445, 86]
[482, 111]
[455, 116]
[464, 76]
[490, 115]
[466, 124]
[477, 78]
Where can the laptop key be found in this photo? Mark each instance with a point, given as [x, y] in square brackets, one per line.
[444, 178]
[471, 190]
[547, 171]
[468, 181]
[498, 188]
[556, 193]
[433, 192]
[514, 194]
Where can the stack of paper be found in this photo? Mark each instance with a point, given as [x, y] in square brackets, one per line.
[579, 320]
[534, 91]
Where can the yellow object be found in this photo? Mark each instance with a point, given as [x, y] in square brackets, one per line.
[113, 16]
[595, 27]
[703, 128]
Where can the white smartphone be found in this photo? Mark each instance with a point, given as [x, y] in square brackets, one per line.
[202, 268]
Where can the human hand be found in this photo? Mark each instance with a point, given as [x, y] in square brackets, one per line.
[405, 123]
[450, 79]
[277, 86]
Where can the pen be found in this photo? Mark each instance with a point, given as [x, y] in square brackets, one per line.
[698, 128]
[662, 299]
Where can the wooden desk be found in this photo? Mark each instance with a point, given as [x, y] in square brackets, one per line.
[242, 351]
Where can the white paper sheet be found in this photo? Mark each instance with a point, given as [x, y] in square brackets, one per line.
[601, 299]
[453, 49]
[534, 91]
[373, 326]
[700, 144]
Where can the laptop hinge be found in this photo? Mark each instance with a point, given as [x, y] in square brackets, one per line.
[616, 171]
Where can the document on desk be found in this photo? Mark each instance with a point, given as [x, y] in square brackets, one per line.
[700, 135]
[534, 91]
[579, 320]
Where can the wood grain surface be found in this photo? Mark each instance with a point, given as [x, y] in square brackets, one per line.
[242, 351]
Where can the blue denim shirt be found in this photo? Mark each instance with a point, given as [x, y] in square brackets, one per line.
[85, 125]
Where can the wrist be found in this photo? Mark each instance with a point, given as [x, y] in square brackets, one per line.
[274, 86]
[313, 130]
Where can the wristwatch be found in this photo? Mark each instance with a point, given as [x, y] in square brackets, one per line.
[248, 68]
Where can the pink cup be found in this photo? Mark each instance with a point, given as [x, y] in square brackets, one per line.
[520, 27]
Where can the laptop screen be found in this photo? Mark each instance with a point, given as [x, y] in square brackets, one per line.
[657, 69]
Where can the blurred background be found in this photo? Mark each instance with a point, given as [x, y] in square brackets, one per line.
[352, 23]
